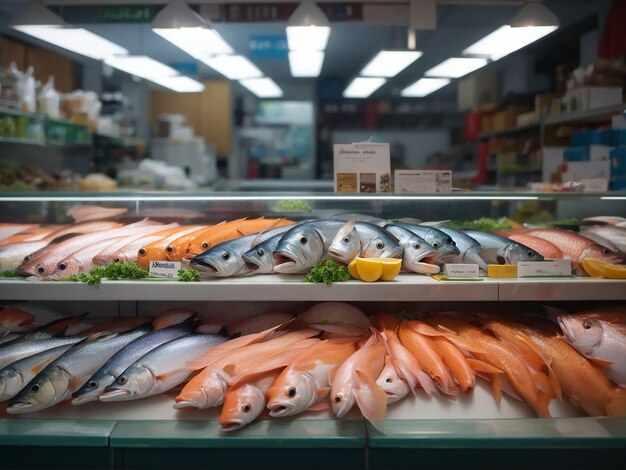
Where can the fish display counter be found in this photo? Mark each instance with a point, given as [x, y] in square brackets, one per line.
[252, 329]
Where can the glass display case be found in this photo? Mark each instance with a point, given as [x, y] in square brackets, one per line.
[150, 433]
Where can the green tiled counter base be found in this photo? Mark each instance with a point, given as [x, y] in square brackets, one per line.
[265, 444]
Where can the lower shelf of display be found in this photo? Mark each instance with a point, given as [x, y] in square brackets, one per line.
[406, 287]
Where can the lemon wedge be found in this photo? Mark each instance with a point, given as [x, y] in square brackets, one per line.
[374, 269]
[594, 267]
[615, 271]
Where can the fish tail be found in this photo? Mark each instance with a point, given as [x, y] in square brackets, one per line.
[541, 404]
[617, 407]
[371, 399]
[171, 318]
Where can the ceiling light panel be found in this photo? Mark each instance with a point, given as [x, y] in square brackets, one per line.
[234, 67]
[199, 43]
[181, 84]
[262, 87]
[77, 40]
[456, 67]
[506, 40]
[362, 87]
[424, 87]
[390, 63]
[141, 66]
[306, 63]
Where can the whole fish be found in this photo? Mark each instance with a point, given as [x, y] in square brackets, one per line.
[470, 249]
[226, 259]
[160, 370]
[126, 357]
[545, 248]
[392, 383]
[15, 376]
[576, 247]
[66, 374]
[15, 320]
[355, 382]
[157, 251]
[444, 245]
[414, 248]
[129, 252]
[599, 341]
[305, 383]
[580, 379]
[19, 350]
[179, 247]
[407, 367]
[260, 259]
[361, 239]
[301, 247]
[615, 235]
[501, 250]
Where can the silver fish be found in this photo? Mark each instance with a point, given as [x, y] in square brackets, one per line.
[470, 249]
[612, 234]
[440, 241]
[161, 369]
[260, 259]
[500, 250]
[124, 358]
[21, 349]
[15, 376]
[598, 340]
[225, 259]
[414, 247]
[66, 374]
[365, 240]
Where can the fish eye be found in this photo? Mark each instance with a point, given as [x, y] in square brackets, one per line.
[205, 245]
[260, 252]
[388, 380]
[26, 258]
[606, 251]
[417, 246]
[142, 252]
[291, 392]
[41, 270]
[169, 249]
[337, 399]
[380, 245]
[346, 239]
[530, 253]
[117, 260]
[303, 240]
[245, 408]
[35, 388]
[225, 256]
[62, 266]
[435, 245]
[586, 324]
[122, 379]
[93, 384]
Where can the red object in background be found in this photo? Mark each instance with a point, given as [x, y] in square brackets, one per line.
[483, 158]
[370, 115]
[472, 126]
[613, 39]
[253, 169]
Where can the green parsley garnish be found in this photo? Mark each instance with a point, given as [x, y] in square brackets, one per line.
[8, 274]
[188, 275]
[289, 205]
[112, 271]
[327, 271]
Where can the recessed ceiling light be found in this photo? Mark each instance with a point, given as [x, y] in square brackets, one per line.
[456, 67]
[389, 63]
[362, 87]
[424, 87]
[262, 87]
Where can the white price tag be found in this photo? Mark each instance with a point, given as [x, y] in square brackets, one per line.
[362, 168]
[164, 269]
[548, 268]
[594, 185]
[422, 181]
[457, 270]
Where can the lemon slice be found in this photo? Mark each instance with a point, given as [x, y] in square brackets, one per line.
[373, 269]
[391, 268]
[595, 267]
[369, 270]
[615, 271]
[352, 269]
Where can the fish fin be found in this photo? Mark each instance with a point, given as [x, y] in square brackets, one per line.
[167, 374]
[464, 344]
[542, 383]
[496, 389]
[171, 318]
[617, 407]
[426, 330]
[434, 223]
[322, 392]
[210, 328]
[483, 367]
[541, 407]
[255, 240]
[273, 332]
[410, 220]
[320, 406]
[532, 361]
[489, 254]
[230, 369]
[240, 232]
[40, 366]
[340, 328]
[600, 362]
[346, 229]
[371, 399]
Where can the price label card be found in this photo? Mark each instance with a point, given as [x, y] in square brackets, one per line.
[422, 181]
[594, 185]
[164, 269]
[548, 268]
[457, 270]
[362, 168]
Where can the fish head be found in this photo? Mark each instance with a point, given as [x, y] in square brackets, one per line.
[203, 391]
[391, 383]
[346, 245]
[66, 267]
[585, 334]
[44, 390]
[134, 382]
[298, 250]
[341, 396]
[40, 267]
[220, 262]
[92, 389]
[242, 405]
[259, 259]
[291, 394]
[11, 382]
[603, 253]
[381, 247]
[415, 250]
[444, 246]
[515, 252]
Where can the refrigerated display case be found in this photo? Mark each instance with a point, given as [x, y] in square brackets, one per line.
[470, 430]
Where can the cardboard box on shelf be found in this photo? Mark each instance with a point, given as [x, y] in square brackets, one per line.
[502, 120]
[526, 119]
[588, 98]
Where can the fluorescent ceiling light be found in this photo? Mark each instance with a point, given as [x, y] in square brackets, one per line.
[233, 67]
[141, 66]
[308, 28]
[506, 39]
[199, 43]
[456, 67]
[390, 63]
[306, 63]
[424, 87]
[534, 13]
[77, 40]
[362, 87]
[36, 14]
[180, 84]
[262, 87]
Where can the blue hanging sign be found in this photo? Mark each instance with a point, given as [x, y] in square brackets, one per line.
[268, 47]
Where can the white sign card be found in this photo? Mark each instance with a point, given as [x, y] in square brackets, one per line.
[164, 269]
[462, 271]
[422, 181]
[362, 168]
[547, 268]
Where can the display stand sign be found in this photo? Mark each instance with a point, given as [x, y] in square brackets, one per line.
[422, 181]
[462, 271]
[547, 268]
[164, 269]
[362, 168]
